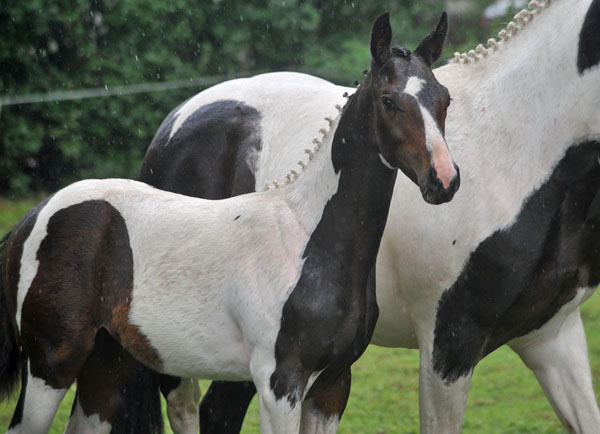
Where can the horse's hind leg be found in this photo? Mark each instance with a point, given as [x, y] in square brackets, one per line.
[99, 387]
[55, 349]
[183, 397]
[324, 406]
[37, 405]
[557, 354]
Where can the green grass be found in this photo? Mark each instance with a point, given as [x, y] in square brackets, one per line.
[505, 398]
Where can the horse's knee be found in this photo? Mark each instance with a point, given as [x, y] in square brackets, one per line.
[278, 414]
[325, 403]
[328, 399]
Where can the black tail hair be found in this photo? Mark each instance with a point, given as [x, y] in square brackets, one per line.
[140, 411]
[10, 356]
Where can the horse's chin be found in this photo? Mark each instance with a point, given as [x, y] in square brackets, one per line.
[437, 199]
[435, 194]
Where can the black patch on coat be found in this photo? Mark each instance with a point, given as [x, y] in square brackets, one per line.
[588, 54]
[211, 154]
[519, 277]
[85, 270]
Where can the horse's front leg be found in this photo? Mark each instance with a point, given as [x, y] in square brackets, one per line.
[557, 354]
[280, 395]
[441, 404]
[183, 397]
[324, 405]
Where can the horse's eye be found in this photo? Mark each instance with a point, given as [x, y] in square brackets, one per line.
[388, 103]
[448, 103]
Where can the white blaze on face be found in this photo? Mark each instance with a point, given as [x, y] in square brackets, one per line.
[434, 140]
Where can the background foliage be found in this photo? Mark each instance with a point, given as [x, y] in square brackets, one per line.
[50, 45]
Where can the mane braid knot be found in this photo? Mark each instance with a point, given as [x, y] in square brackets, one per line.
[293, 175]
[521, 19]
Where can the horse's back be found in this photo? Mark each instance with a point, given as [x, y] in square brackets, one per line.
[233, 137]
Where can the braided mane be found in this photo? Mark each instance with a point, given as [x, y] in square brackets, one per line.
[294, 174]
[520, 21]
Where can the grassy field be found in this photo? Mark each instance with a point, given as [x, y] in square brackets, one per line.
[505, 397]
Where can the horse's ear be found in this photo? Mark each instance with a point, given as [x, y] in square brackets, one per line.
[381, 38]
[431, 47]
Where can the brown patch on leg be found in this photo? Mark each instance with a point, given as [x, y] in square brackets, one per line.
[132, 338]
[330, 399]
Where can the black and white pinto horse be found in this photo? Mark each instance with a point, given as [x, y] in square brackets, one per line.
[508, 261]
[276, 287]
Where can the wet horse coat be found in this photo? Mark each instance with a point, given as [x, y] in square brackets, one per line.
[520, 241]
[276, 286]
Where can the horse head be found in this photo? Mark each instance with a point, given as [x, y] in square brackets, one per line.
[409, 110]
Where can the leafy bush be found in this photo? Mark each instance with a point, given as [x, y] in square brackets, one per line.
[50, 45]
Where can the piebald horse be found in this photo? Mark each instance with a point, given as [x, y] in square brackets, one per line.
[276, 286]
[508, 261]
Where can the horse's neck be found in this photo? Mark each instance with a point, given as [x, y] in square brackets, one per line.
[525, 103]
[358, 191]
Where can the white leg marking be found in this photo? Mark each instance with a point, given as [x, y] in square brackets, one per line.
[315, 422]
[183, 407]
[441, 406]
[277, 416]
[557, 354]
[41, 403]
[80, 423]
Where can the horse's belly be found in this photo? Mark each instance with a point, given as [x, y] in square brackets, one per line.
[394, 326]
[191, 339]
[222, 356]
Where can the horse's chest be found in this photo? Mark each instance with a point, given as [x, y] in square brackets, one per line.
[326, 320]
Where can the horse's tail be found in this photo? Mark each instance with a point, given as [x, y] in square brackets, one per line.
[10, 358]
[140, 411]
